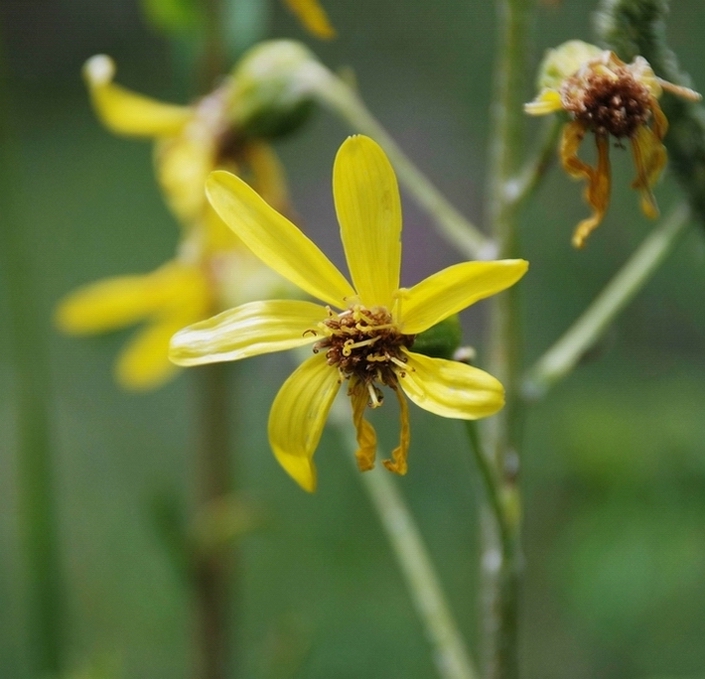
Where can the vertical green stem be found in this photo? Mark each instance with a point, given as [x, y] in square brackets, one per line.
[501, 560]
[31, 389]
[213, 569]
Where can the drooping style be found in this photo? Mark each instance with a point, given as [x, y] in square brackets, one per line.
[364, 334]
[610, 99]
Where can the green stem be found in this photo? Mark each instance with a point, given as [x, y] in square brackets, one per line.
[501, 557]
[450, 653]
[29, 353]
[213, 569]
[566, 353]
[212, 64]
[334, 93]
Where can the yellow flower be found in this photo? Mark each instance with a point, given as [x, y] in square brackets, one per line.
[365, 332]
[312, 16]
[609, 98]
[212, 268]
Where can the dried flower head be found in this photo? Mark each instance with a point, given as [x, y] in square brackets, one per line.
[608, 98]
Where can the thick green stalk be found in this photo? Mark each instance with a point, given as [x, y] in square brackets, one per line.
[213, 570]
[501, 559]
[449, 651]
[565, 354]
[27, 333]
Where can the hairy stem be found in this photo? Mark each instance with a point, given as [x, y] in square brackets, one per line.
[501, 560]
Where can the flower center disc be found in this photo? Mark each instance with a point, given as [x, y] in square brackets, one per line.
[614, 103]
[364, 343]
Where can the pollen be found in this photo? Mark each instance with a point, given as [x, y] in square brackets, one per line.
[364, 344]
[607, 101]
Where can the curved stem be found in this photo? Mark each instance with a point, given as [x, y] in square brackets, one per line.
[565, 354]
[456, 229]
[450, 653]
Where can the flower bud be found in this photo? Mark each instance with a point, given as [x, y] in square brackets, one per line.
[563, 61]
[272, 88]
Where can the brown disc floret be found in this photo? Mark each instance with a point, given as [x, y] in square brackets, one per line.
[364, 344]
[612, 102]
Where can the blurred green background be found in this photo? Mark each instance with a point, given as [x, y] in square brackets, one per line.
[614, 470]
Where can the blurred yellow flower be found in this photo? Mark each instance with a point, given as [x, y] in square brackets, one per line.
[365, 332]
[313, 17]
[607, 97]
[212, 269]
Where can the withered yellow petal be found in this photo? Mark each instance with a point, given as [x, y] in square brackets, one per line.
[127, 112]
[298, 415]
[248, 330]
[313, 17]
[275, 240]
[144, 363]
[453, 289]
[369, 212]
[120, 301]
[649, 159]
[450, 388]
[547, 101]
[597, 192]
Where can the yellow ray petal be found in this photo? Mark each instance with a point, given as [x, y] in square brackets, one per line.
[268, 177]
[455, 288]
[117, 302]
[547, 101]
[450, 388]
[369, 212]
[313, 17]
[126, 112]
[183, 163]
[649, 159]
[248, 330]
[298, 416]
[144, 363]
[275, 240]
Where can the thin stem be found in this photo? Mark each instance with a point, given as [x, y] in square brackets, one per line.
[501, 559]
[566, 353]
[29, 354]
[213, 569]
[450, 653]
[212, 62]
[456, 229]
